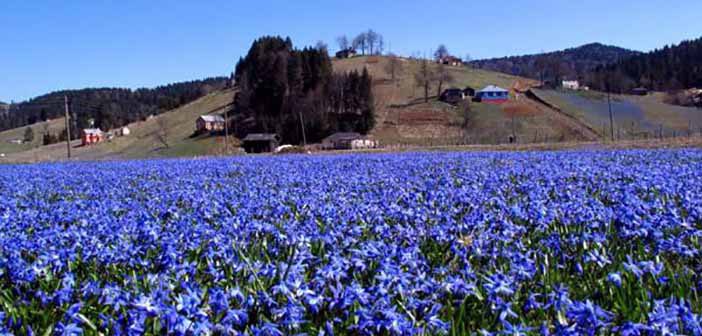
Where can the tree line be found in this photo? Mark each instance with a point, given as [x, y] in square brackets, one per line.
[107, 108]
[671, 68]
[296, 94]
[367, 43]
[552, 67]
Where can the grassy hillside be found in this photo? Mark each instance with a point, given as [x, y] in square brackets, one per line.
[404, 118]
[634, 116]
[54, 126]
[141, 143]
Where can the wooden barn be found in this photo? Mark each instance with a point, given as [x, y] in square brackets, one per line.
[452, 96]
[209, 123]
[451, 60]
[346, 53]
[468, 92]
[260, 142]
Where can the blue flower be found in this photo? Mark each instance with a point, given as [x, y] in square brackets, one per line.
[615, 278]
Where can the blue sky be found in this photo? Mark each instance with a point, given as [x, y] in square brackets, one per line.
[63, 44]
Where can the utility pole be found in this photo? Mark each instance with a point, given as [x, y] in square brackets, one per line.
[611, 118]
[302, 126]
[226, 132]
[68, 127]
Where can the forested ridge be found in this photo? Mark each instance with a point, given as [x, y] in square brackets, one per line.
[670, 68]
[107, 108]
[572, 63]
[296, 94]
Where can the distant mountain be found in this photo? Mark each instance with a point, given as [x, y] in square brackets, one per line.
[108, 108]
[670, 68]
[571, 63]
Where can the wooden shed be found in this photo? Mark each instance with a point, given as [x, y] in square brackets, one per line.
[260, 142]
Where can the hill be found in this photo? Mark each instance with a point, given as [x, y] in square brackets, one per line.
[569, 63]
[669, 68]
[635, 117]
[402, 118]
[178, 126]
[108, 107]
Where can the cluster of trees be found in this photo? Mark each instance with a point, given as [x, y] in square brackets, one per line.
[295, 94]
[552, 67]
[671, 68]
[429, 75]
[368, 43]
[107, 108]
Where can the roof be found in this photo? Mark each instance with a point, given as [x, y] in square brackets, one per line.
[343, 136]
[493, 88]
[94, 131]
[261, 137]
[212, 118]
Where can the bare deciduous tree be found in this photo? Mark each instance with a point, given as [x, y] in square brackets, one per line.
[161, 132]
[380, 45]
[441, 52]
[464, 107]
[360, 42]
[371, 40]
[343, 42]
[467, 59]
[322, 46]
[423, 78]
[393, 67]
[442, 76]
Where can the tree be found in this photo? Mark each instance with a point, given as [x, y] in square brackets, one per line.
[360, 42]
[161, 132]
[343, 42]
[442, 76]
[467, 116]
[423, 78]
[441, 52]
[322, 47]
[380, 45]
[371, 40]
[28, 134]
[296, 94]
[393, 67]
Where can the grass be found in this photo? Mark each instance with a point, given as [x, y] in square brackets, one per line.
[55, 126]
[655, 115]
[141, 143]
[489, 124]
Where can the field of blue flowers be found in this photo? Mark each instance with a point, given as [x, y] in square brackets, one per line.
[565, 243]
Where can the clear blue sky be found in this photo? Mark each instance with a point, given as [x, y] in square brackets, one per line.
[63, 44]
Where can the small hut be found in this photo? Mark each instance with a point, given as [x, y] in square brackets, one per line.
[639, 91]
[260, 142]
[348, 140]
